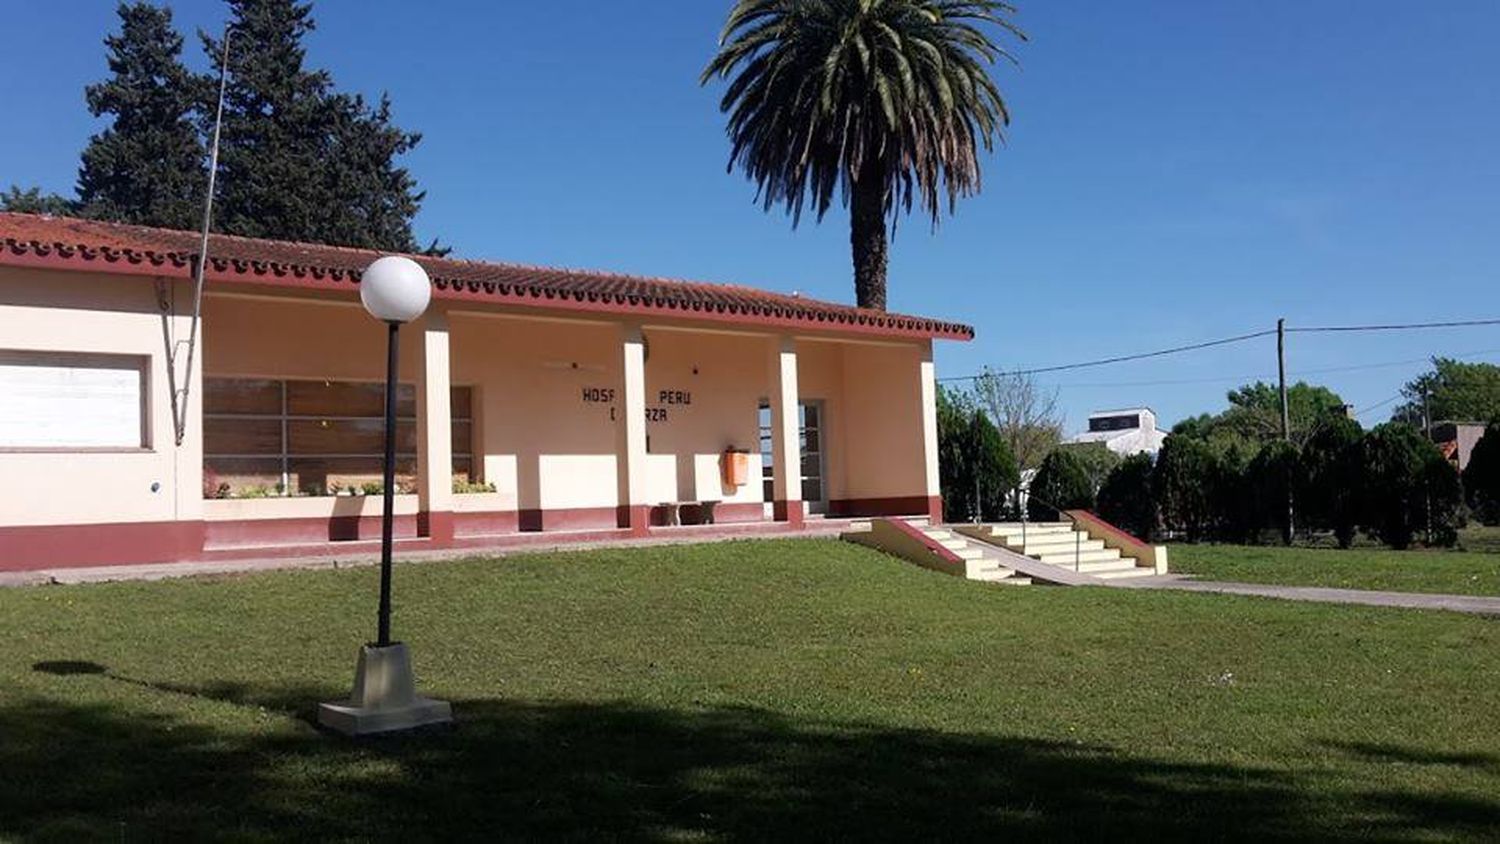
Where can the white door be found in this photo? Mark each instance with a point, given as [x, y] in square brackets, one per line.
[814, 448]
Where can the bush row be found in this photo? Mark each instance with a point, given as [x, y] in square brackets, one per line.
[1390, 483]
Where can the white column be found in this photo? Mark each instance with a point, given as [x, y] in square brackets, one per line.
[927, 374]
[434, 427]
[786, 440]
[631, 444]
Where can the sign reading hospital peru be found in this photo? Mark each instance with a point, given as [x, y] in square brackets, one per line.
[664, 399]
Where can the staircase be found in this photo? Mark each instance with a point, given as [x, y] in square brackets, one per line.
[977, 564]
[1060, 544]
[938, 549]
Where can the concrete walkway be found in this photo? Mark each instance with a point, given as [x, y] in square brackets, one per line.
[1361, 597]
[696, 535]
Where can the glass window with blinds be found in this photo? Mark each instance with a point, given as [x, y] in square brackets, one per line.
[273, 437]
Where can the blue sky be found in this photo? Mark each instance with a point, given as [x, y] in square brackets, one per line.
[1178, 170]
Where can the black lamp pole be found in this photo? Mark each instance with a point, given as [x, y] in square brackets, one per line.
[383, 639]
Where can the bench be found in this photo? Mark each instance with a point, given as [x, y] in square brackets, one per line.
[673, 511]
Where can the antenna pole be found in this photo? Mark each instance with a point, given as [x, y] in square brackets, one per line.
[180, 409]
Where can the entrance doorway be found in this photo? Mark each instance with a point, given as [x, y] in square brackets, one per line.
[810, 418]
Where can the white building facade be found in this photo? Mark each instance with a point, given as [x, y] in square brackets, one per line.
[1125, 432]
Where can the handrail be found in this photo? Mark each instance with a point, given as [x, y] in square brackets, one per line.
[1067, 514]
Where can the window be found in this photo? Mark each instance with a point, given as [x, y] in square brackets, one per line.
[315, 437]
[72, 402]
[810, 441]
[1114, 423]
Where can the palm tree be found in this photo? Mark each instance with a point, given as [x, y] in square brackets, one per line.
[883, 101]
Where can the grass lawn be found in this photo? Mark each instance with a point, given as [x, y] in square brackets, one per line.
[1444, 572]
[750, 690]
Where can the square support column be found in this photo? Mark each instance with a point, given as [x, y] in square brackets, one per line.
[927, 374]
[630, 447]
[434, 429]
[786, 433]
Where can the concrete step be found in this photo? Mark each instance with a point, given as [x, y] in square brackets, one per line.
[968, 552]
[1032, 531]
[937, 533]
[1067, 560]
[1066, 546]
[1133, 571]
[993, 574]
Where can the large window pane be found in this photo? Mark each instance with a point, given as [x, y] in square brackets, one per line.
[63, 401]
[334, 435]
[223, 476]
[339, 474]
[241, 396]
[347, 436]
[812, 490]
[242, 436]
[344, 398]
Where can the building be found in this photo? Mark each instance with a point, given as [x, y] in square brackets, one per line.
[1125, 432]
[534, 402]
[1457, 440]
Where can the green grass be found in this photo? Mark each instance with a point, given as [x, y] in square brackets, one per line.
[1442, 572]
[749, 690]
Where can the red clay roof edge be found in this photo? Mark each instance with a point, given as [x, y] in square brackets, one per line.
[33, 240]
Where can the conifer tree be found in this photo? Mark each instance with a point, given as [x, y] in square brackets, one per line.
[298, 160]
[147, 167]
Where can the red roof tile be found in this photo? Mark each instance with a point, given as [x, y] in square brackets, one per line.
[112, 247]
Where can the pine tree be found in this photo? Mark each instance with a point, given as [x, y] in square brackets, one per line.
[33, 201]
[147, 167]
[300, 161]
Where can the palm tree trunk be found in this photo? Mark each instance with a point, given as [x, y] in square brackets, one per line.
[867, 237]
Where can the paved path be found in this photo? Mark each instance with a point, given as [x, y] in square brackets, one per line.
[1407, 600]
[172, 571]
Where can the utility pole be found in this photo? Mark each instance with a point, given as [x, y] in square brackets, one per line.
[1286, 428]
[1427, 432]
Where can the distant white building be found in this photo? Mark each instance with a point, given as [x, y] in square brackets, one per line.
[1125, 432]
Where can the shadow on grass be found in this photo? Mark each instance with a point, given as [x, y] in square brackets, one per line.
[1415, 756]
[535, 770]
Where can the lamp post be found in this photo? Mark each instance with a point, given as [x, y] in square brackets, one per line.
[395, 290]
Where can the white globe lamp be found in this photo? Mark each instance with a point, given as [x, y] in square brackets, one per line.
[394, 290]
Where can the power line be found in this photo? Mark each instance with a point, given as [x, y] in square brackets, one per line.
[1374, 407]
[1397, 327]
[1323, 329]
[1125, 358]
[1241, 379]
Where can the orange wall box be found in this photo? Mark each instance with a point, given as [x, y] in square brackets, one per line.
[736, 467]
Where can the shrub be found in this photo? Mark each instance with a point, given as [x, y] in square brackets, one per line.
[1097, 461]
[1332, 477]
[1234, 516]
[1186, 484]
[1404, 483]
[1482, 476]
[1270, 478]
[975, 466]
[1126, 498]
[1444, 507]
[992, 465]
[1061, 483]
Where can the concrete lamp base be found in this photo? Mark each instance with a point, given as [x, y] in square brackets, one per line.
[385, 697]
